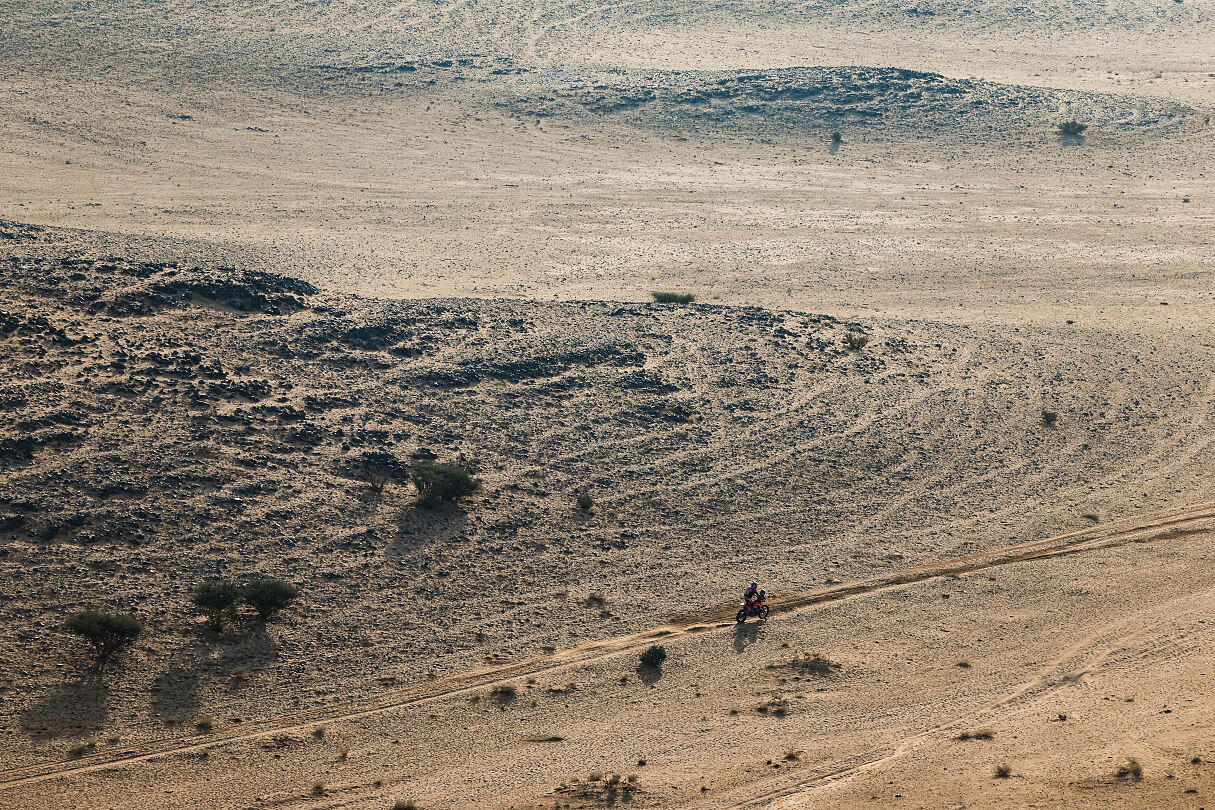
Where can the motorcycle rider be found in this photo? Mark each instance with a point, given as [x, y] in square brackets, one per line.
[751, 595]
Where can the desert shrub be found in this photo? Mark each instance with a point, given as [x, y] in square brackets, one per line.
[836, 137]
[217, 599]
[401, 804]
[442, 482]
[1002, 771]
[855, 341]
[319, 789]
[1049, 417]
[654, 656]
[1130, 770]
[815, 663]
[1072, 128]
[980, 734]
[585, 502]
[106, 633]
[673, 297]
[268, 595]
[375, 476]
[504, 692]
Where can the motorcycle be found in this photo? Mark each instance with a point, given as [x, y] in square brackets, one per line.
[758, 608]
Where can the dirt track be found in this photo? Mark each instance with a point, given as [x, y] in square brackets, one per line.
[1168, 525]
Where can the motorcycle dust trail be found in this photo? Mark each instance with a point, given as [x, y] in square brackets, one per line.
[1161, 526]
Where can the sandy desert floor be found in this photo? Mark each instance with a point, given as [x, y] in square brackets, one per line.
[245, 249]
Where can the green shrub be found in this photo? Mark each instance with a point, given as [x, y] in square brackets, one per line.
[268, 595]
[442, 482]
[673, 297]
[217, 598]
[106, 633]
[654, 656]
[1072, 128]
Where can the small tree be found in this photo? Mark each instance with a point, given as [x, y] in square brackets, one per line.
[217, 599]
[654, 656]
[442, 482]
[268, 595]
[106, 633]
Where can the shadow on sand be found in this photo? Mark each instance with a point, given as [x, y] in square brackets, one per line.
[745, 635]
[71, 709]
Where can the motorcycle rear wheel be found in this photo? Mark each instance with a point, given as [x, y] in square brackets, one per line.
[741, 617]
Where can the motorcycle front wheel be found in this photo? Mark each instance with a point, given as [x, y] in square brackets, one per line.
[764, 611]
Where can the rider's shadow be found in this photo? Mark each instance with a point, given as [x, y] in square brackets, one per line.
[745, 635]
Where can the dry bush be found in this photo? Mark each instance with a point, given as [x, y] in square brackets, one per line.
[1049, 417]
[1130, 770]
[504, 691]
[1002, 771]
[1072, 128]
[815, 663]
[401, 804]
[777, 707]
[319, 788]
[375, 476]
[855, 341]
[980, 734]
[205, 724]
[673, 297]
[442, 482]
[585, 501]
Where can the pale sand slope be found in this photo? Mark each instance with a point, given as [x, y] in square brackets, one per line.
[1070, 671]
[561, 156]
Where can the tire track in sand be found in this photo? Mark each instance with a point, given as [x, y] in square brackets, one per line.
[1170, 524]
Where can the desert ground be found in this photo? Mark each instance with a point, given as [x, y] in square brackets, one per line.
[251, 252]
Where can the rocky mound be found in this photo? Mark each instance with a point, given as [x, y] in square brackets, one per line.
[814, 99]
[220, 422]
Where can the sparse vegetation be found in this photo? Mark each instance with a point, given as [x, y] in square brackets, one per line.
[205, 724]
[442, 482]
[585, 501]
[777, 707]
[106, 633]
[217, 600]
[673, 297]
[319, 788]
[1072, 128]
[815, 663]
[980, 734]
[836, 137]
[1130, 771]
[401, 804]
[855, 341]
[1002, 771]
[654, 656]
[375, 476]
[268, 595]
[1049, 417]
[504, 692]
